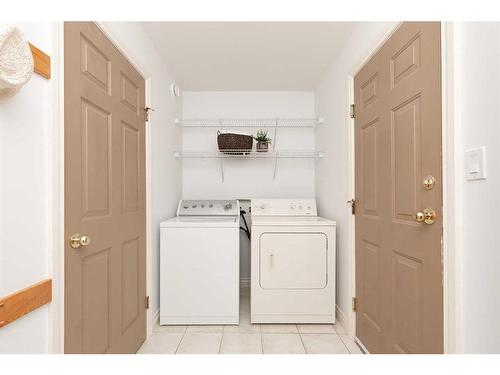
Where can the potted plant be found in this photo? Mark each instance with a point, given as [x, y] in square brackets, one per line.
[262, 141]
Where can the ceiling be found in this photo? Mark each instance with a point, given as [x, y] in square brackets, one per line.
[248, 55]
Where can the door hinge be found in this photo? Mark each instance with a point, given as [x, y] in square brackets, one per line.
[147, 302]
[352, 202]
[352, 111]
[354, 303]
[148, 110]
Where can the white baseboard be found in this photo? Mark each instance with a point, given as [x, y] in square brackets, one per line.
[153, 319]
[156, 317]
[341, 318]
[245, 282]
[361, 346]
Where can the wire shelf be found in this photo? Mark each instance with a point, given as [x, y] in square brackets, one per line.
[250, 123]
[306, 154]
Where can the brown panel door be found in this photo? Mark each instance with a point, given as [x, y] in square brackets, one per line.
[105, 281]
[398, 144]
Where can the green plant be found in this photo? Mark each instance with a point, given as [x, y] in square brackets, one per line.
[261, 136]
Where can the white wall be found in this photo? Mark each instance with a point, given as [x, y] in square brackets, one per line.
[248, 178]
[251, 178]
[477, 104]
[332, 176]
[24, 199]
[163, 137]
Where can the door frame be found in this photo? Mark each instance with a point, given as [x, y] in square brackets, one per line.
[56, 188]
[451, 275]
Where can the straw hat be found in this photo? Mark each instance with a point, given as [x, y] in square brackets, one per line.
[16, 61]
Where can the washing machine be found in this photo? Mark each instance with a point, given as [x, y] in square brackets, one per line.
[199, 263]
[292, 263]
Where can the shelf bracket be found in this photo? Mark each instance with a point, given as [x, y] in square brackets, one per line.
[222, 158]
[222, 169]
[274, 148]
[275, 167]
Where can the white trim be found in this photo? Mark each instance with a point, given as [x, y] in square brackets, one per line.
[361, 346]
[451, 276]
[149, 283]
[340, 318]
[155, 319]
[56, 192]
[351, 317]
[56, 314]
[451, 301]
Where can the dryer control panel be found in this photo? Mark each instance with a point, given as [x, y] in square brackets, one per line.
[188, 207]
[284, 207]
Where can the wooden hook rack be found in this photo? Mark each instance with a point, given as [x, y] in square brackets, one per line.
[41, 60]
[22, 302]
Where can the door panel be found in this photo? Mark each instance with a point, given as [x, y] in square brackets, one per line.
[95, 65]
[95, 302]
[131, 285]
[130, 167]
[371, 286]
[406, 160]
[369, 91]
[96, 160]
[405, 61]
[105, 281]
[369, 155]
[129, 93]
[293, 260]
[398, 144]
[407, 301]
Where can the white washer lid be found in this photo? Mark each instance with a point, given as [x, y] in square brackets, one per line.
[291, 221]
[201, 222]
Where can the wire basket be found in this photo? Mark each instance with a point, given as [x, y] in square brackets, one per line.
[234, 144]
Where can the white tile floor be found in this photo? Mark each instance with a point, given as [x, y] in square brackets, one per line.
[250, 338]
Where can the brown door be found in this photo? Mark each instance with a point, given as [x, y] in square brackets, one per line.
[398, 144]
[105, 281]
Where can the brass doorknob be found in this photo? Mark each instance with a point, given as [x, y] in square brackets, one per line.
[76, 241]
[428, 216]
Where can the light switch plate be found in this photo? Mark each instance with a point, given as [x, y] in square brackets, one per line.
[475, 164]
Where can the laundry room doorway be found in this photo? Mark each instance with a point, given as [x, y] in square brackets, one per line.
[105, 195]
[399, 194]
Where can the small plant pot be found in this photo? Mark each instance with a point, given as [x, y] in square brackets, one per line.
[262, 146]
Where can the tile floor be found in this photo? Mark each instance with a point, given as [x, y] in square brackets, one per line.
[249, 338]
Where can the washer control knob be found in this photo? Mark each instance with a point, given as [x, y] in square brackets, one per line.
[211, 205]
[186, 207]
[228, 206]
[194, 205]
[202, 206]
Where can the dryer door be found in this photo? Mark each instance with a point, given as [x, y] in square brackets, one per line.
[293, 260]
